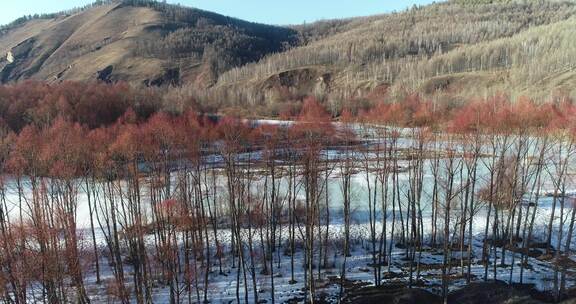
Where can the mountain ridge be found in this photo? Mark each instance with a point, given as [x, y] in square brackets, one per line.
[448, 50]
[142, 42]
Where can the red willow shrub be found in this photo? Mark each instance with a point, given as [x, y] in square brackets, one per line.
[54, 125]
[91, 104]
[95, 105]
[117, 139]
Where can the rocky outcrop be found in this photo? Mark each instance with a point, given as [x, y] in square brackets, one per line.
[10, 57]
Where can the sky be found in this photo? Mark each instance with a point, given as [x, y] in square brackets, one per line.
[264, 11]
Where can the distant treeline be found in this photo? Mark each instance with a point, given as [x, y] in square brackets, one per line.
[97, 105]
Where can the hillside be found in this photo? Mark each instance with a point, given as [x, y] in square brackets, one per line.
[453, 49]
[450, 50]
[142, 42]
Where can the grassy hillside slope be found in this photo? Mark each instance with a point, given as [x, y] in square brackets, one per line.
[456, 48]
[142, 42]
[449, 50]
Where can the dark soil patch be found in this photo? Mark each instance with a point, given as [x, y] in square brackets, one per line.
[497, 292]
[494, 293]
[391, 293]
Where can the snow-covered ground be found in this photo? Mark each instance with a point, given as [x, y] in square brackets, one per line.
[222, 287]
